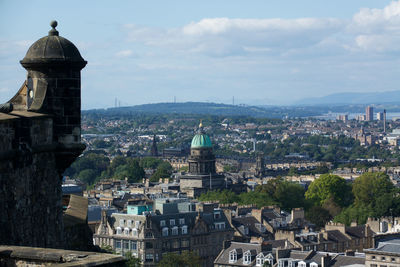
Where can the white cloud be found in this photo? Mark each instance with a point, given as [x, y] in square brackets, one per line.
[124, 53]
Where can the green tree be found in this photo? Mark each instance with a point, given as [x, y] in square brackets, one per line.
[318, 215]
[132, 170]
[164, 170]
[88, 176]
[132, 261]
[186, 259]
[368, 187]
[329, 186]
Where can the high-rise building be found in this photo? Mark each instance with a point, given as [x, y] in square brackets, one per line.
[384, 120]
[369, 112]
[379, 116]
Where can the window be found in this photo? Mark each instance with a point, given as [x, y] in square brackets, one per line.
[175, 230]
[165, 231]
[175, 243]
[393, 259]
[118, 244]
[149, 257]
[313, 264]
[134, 232]
[149, 235]
[232, 256]
[217, 215]
[121, 222]
[119, 230]
[125, 244]
[133, 245]
[137, 224]
[185, 243]
[184, 230]
[162, 223]
[301, 264]
[126, 231]
[383, 259]
[182, 221]
[373, 257]
[172, 222]
[247, 257]
[149, 245]
[260, 259]
[219, 225]
[129, 223]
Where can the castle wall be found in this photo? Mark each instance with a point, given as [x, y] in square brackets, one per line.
[30, 186]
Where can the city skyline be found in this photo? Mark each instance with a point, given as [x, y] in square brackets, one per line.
[264, 53]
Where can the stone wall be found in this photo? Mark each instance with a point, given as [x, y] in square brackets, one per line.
[30, 185]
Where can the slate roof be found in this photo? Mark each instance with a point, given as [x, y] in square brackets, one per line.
[241, 248]
[250, 222]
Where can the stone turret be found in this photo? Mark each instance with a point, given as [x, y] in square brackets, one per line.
[40, 128]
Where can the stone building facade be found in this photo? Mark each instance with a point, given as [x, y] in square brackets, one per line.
[173, 227]
[40, 137]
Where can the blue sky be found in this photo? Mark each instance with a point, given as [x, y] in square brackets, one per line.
[260, 52]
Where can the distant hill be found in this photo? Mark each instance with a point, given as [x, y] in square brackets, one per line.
[207, 109]
[353, 98]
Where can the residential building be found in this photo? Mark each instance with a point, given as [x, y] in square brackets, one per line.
[174, 225]
[385, 253]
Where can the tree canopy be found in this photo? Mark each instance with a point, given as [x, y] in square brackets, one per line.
[329, 187]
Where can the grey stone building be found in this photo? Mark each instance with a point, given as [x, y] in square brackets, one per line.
[174, 226]
[202, 175]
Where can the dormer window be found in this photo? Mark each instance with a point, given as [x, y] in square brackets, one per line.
[137, 224]
[217, 215]
[172, 222]
[301, 264]
[165, 231]
[313, 264]
[119, 230]
[126, 231]
[134, 232]
[260, 259]
[232, 256]
[175, 230]
[162, 223]
[247, 258]
[184, 229]
[182, 221]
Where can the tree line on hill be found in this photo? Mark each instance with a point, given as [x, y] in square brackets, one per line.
[327, 198]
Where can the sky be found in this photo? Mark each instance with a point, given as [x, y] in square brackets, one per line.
[259, 52]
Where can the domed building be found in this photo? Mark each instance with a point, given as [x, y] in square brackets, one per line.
[202, 175]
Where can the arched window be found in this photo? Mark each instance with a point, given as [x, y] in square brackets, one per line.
[165, 231]
[126, 231]
[119, 230]
[301, 264]
[313, 264]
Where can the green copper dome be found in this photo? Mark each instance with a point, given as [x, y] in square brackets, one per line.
[201, 140]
